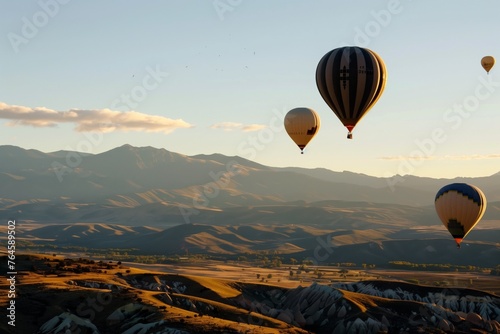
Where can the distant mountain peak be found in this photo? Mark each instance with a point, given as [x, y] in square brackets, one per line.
[16, 150]
[225, 159]
[145, 150]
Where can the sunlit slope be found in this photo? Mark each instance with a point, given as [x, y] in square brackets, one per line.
[334, 245]
[52, 296]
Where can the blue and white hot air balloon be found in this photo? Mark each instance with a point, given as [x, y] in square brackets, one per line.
[460, 207]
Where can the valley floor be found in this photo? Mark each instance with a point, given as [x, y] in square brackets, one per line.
[281, 276]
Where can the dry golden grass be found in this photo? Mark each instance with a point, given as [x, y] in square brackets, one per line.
[234, 271]
[362, 301]
[41, 296]
[221, 287]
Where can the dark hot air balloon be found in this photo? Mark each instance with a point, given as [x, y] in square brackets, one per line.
[351, 80]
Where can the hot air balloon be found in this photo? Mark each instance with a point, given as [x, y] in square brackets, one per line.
[351, 80]
[487, 63]
[302, 124]
[460, 207]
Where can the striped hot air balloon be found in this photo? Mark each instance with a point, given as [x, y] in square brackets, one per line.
[302, 124]
[351, 80]
[460, 207]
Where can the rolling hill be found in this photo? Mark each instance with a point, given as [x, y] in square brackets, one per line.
[321, 245]
[82, 296]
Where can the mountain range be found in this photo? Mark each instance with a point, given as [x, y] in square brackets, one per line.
[133, 177]
[160, 201]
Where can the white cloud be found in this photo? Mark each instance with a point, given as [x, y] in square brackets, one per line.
[230, 126]
[96, 120]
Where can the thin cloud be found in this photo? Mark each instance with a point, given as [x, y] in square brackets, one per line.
[446, 157]
[401, 158]
[94, 120]
[253, 127]
[226, 126]
[472, 157]
[231, 126]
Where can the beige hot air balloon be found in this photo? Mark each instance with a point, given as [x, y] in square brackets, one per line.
[302, 124]
[460, 207]
[487, 63]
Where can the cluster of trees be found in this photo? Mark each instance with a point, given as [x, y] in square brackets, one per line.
[434, 266]
[57, 266]
[495, 271]
[263, 279]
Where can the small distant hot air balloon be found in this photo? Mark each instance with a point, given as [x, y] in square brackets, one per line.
[487, 63]
[302, 124]
[351, 80]
[460, 207]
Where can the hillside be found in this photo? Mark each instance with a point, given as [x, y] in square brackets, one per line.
[85, 296]
[323, 245]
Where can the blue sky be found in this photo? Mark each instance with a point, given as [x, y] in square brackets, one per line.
[219, 76]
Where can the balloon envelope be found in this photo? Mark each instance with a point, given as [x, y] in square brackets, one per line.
[487, 63]
[351, 80]
[460, 207]
[302, 124]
